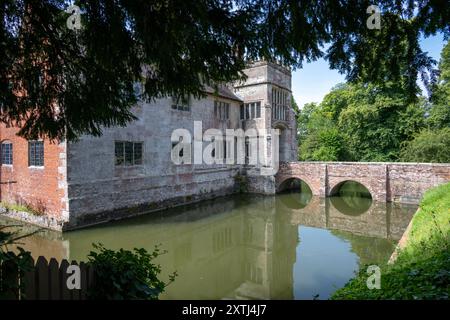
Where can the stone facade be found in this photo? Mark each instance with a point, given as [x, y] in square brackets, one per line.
[386, 182]
[81, 183]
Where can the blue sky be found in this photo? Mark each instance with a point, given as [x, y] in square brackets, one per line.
[315, 79]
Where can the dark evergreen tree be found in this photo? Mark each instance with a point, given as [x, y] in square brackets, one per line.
[56, 82]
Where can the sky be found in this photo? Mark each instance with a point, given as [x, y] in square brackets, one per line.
[315, 79]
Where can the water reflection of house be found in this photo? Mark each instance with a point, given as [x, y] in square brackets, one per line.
[248, 255]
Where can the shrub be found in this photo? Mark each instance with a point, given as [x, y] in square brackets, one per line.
[12, 265]
[123, 274]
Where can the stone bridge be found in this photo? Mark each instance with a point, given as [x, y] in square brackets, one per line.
[386, 182]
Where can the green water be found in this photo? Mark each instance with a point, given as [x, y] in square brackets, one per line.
[288, 246]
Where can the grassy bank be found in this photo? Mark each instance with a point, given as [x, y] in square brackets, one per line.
[422, 268]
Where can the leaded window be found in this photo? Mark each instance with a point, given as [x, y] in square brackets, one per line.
[221, 110]
[251, 111]
[35, 153]
[7, 153]
[128, 153]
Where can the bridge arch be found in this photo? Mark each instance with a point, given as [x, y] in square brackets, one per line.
[350, 188]
[293, 183]
[351, 197]
[297, 200]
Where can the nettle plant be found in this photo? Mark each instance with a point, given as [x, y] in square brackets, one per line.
[124, 274]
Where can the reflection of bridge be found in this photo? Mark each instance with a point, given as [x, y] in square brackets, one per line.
[380, 220]
[397, 182]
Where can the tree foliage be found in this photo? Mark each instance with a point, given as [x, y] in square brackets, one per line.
[60, 83]
[440, 111]
[428, 146]
[432, 144]
[373, 122]
[357, 122]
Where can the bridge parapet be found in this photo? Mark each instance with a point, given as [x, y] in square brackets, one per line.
[398, 182]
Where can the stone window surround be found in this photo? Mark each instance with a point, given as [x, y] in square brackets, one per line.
[280, 104]
[221, 110]
[250, 110]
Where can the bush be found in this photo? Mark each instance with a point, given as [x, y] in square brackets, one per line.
[14, 265]
[123, 274]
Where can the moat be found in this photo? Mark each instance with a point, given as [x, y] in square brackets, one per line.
[288, 246]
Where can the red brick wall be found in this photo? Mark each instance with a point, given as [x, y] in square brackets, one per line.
[37, 187]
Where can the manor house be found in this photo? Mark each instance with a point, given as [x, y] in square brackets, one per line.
[129, 171]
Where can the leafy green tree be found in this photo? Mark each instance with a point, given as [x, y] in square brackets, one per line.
[377, 120]
[320, 139]
[428, 146]
[360, 122]
[303, 118]
[440, 111]
[60, 83]
[433, 143]
[336, 100]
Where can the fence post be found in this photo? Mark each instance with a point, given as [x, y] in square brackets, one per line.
[43, 279]
[30, 282]
[54, 277]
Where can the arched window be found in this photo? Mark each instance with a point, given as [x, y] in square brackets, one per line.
[7, 152]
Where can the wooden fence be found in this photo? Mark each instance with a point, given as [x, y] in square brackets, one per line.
[48, 281]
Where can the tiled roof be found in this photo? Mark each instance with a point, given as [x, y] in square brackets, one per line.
[222, 91]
